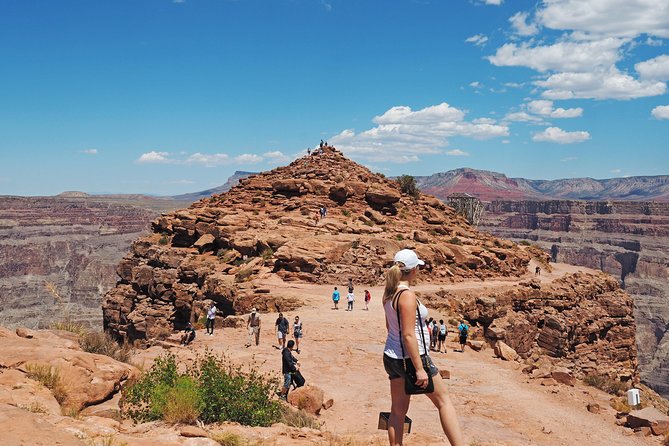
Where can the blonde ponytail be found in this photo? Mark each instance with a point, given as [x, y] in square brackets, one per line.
[393, 276]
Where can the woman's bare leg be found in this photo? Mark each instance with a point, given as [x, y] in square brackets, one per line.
[447, 414]
[398, 410]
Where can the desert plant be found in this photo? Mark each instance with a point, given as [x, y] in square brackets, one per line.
[399, 237]
[49, 377]
[229, 439]
[103, 344]
[408, 186]
[345, 212]
[177, 403]
[299, 418]
[35, 407]
[455, 241]
[620, 405]
[71, 411]
[68, 325]
[607, 384]
[525, 243]
[267, 254]
[243, 275]
[164, 239]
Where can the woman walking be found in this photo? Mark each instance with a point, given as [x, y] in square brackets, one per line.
[368, 297]
[297, 333]
[398, 299]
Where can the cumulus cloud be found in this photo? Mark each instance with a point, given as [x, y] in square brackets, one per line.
[276, 156]
[562, 56]
[620, 18]
[457, 152]
[545, 108]
[661, 112]
[208, 160]
[476, 84]
[521, 26]
[600, 84]
[493, 2]
[154, 157]
[557, 135]
[654, 42]
[478, 39]
[248, 158]
[522, 116]
[402, 134]
[90, 151]
[656, 68]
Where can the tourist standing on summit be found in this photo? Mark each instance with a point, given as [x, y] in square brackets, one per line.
[403, 343]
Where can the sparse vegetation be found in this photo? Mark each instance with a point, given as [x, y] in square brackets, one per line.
[69, 325]
[106, 440]
[607, 384]
[455, 241]
[243, 275]
[525, 243]
[267, 254]
[345, 212]
[103, 344]
[164, 239]
[35, 407]
[211, 389]
[71, 411]
[620, 405]
[399, 237]
[231, 439]
[299, 418]
[49, 377]
[408, 186]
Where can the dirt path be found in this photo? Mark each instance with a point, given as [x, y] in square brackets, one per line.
[497, 404]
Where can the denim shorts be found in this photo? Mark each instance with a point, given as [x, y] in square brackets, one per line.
[287, 379]
[395, 367]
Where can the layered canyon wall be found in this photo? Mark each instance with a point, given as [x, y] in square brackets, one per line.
[629, 240]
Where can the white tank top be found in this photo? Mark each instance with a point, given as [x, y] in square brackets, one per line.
[393, 348]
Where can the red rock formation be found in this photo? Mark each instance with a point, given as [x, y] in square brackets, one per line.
[269, 224]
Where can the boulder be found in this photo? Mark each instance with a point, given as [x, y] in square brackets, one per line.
[563, 375]
[24, 333]
[549, 382]
[649, 417]
[205, 243]
[308, 398]
[593, 408]
[192, 432]
[505, 352]
[382, 196]
[476, 345]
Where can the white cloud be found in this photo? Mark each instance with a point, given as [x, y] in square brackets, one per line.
[568, 158]
[654, 42]
[621, 18]
[326, 5]
[154, 157]
[557, 135]
[248, 158]
[600, 84]
[493, 2]
[478, 39]
[208, 160]
[179, 182]
[656, 68]
[277, 157]
[520, 25]
[475, 84]
[457, 152]
[545, 108]
[522, 116]
[401, 134]
[661, 112]
[561, 56]
[615, 170]
[90, 151]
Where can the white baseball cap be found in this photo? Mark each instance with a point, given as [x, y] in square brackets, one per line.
[408, 258]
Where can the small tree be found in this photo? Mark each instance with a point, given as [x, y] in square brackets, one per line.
[408, 186]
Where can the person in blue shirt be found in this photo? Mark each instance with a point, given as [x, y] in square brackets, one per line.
[335, 298]
[463, 329]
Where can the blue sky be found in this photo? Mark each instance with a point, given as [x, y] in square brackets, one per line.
[166, 97]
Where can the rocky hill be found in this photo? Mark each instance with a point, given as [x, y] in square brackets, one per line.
[222, 247]
[489, 186]
[58, 254]
[629, 240]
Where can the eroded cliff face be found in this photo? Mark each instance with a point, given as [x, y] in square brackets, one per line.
[222, 248]
[629, 240]
[58, 255]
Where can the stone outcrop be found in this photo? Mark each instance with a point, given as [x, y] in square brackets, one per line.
[222, 248]
[583, 322]
[629, 240]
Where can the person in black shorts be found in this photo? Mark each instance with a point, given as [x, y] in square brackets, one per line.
[441, 337]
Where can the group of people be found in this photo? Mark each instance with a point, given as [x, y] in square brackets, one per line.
[350, 297]
[188, 334]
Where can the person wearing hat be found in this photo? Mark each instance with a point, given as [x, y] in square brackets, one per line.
[399, 299]
[253, 326]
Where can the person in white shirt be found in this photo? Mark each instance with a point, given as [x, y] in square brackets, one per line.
[351, 298]
[211, 319]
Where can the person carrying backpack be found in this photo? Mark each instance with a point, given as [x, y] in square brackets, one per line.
[463, 329]
[441, 337]
[435, 334]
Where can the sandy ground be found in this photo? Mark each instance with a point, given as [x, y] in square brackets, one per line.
[496, 403]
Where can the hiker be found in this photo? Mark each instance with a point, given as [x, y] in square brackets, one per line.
[317, 218]
[322, 144]
[308, 151]
[443, 331]
[368, 297]
[253, 326]
[335, 298]
[463, 330]
[321, 210]
[211, 318]
[297, 333]
[350, 285]
[406, 340]
[325, 212]
[188, 335]
[537, 271]
[350, 297]
[289, 366]
[435, 334]
[282, 327]
[430, 324]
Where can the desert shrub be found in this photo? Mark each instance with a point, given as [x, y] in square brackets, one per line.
[229, 439]
[103, 344]
[607, 384]
[345, 212]
[164, 239]
[299, 418]
[399, 237]
[211, 389]
[243, 275]
[267, 254]
[408, 186]
[35, 407]
[455, 241]
[49, 377]
[620, 405]
[525, 243]
[71, 411]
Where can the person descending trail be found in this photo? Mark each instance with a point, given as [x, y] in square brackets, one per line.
[403, 312]
[335, 298]
[289, 365]
[297, 333]
[463, 330]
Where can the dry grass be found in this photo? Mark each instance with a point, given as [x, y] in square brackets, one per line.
[49, 377]
[299, 418]
[69, 325]
[35, 407]
[106, 440]
[607, 384]
[620, 405]
[232, 439]
[103, 344]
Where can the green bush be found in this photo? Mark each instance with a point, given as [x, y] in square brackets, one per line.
[525, 243]
[408, 186]
[211, 389]
[455, 241]
[345, 212]
[164, 239]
